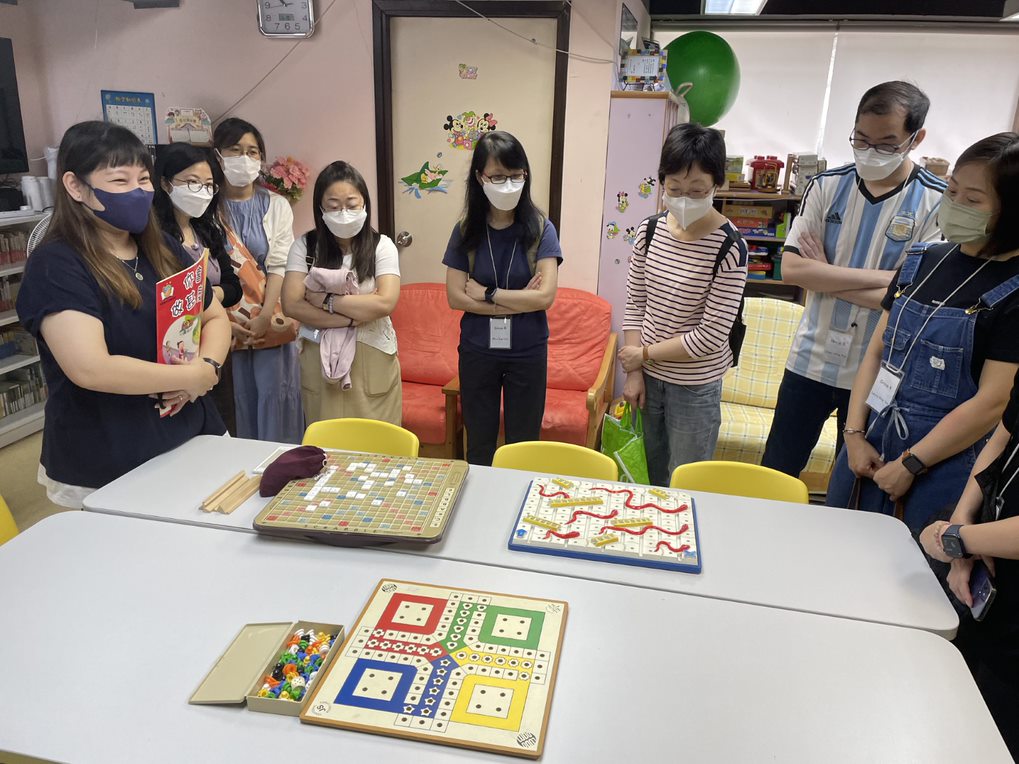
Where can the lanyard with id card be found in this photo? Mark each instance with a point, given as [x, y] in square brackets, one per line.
[886, 385]
[500, 328]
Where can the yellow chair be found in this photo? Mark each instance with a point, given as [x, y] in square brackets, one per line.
[557, 458]
[8, 529]
[740, 479]
[367, 435]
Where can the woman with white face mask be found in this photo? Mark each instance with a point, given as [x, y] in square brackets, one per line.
[186, 182]
[502, 265]
[342, 284]
[940, 364]
[683, 294]
[260, 228]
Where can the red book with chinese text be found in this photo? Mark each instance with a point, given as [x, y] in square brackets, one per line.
[180, 299]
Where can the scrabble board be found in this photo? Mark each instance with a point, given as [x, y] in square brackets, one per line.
[609, 522]
[452, 666]
[367, 499]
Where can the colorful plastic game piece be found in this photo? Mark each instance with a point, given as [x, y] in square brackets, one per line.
[455, 666]
[638, 525]
[368, 499]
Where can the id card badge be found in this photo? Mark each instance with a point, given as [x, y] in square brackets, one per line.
[885, 387]
[500, 333]
[837, 347]
[307, 333]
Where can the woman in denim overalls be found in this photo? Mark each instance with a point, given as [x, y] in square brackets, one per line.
[912, 445]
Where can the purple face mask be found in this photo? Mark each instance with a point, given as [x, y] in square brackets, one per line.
[126, 210]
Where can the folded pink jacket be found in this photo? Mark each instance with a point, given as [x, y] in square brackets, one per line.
[335, 345]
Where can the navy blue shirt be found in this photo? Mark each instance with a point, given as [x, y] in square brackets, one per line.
[91, 438]
[529, 332]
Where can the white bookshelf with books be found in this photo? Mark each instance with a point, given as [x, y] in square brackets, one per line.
[22, 387]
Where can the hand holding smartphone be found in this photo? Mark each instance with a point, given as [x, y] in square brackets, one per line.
[981, 589]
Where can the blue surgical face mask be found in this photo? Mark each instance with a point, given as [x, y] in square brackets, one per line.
[126, 210]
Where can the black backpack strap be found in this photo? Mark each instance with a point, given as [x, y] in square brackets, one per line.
[732, 236]
[649, 232]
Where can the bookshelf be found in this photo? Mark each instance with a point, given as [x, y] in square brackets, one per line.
[777, 211]
[22, 389]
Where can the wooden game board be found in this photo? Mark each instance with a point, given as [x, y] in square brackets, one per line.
[368, 499]
[629, 524]
[452, 666]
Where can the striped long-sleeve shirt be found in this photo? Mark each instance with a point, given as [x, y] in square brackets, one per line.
[670, 293]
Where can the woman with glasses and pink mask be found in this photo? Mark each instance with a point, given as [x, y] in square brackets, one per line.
[502, 265]
[683, 295]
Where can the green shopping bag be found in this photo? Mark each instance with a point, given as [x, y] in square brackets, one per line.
[622, 439]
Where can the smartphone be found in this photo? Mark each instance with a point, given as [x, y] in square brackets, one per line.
[981, 589]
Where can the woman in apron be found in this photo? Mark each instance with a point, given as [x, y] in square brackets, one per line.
[940, 365]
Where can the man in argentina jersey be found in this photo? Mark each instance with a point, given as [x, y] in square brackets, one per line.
[853, 230]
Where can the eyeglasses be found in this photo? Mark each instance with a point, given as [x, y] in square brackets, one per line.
[501, 179]
[881, 148]
[691, 194]
[236, 151]
[196, 186]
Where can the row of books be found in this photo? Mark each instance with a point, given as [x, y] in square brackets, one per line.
[8, 293]
[21, 389]
[13, 246]
[15, 340]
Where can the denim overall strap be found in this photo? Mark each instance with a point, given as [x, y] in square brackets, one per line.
[911, 265]
[992, 297]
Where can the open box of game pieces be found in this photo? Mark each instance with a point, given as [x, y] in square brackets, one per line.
[271, 666]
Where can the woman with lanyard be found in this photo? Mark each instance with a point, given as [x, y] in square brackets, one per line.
[986, 524]
[266, 374]
[939, 367]
[186, 184]
[502, 270]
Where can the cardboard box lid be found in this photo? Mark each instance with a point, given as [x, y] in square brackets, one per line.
[230, 680]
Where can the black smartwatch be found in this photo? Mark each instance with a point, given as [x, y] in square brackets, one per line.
[912, 463]
[490, 295]
[951, 542]
[217, 366]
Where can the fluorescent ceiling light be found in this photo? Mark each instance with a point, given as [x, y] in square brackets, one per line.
[733, 7]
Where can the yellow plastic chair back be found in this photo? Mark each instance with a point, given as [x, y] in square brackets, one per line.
[740, 479]
[557, 458]
[8, 529]
[366, 435]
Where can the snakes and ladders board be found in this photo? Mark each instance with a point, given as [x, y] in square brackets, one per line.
[609, 522]
[368, 499]
[445, 665]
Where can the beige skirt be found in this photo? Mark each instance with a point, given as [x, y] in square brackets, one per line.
[375, 391]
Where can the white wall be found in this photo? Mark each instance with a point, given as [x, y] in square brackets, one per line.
[972, 80]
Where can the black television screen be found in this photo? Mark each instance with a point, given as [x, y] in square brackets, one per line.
[13, 154]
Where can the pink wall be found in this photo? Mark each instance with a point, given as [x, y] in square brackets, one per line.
[318, 105]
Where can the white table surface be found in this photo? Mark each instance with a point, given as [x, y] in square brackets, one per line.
[836, 562]
[108, 624]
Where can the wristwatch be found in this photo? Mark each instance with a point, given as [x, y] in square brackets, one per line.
[913, 463]
[951, 542]
[490, 295]
[217, 366]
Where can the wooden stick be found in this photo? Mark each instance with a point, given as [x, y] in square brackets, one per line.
[241, 494]
[210, 503]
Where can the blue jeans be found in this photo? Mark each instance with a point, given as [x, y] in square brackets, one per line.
[680, 425]
[803, 407]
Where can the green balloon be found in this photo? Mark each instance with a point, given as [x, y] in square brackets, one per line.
[706, 60]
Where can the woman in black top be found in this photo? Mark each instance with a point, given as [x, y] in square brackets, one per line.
[89, 298]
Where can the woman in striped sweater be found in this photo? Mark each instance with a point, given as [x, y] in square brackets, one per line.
[683, 293]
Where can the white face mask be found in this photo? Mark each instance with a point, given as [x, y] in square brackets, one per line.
[240, 171]
[504, 196]
[191, 203]
[344, 224]
[871, 165]
[688, 211]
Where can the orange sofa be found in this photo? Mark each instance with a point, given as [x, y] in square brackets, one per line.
[428, 333]
[581, 355]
